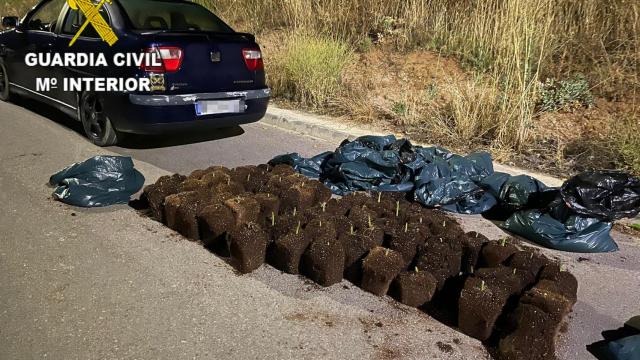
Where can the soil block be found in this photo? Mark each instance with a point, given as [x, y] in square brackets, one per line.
[567, 283]
[536, 321]
[300, 196]
[247, 247]
[155, 194]
[282, 170]
[323, 194]
[533, 337]
[379, 269]
[174, 202]
[246, 209]
[472, 245]
[285, 253]
[269, 208]
[480, 305]
[362, 217]
[529, 264]
[414, 288]
[356, 247]
[215, 222]
[406, 243]
[496, 253]
[441, 257]
[323, 261]
[243, 174]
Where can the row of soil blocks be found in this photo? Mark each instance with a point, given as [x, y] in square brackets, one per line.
[387, 245]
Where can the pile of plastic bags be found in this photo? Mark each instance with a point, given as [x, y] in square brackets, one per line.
[577, 217]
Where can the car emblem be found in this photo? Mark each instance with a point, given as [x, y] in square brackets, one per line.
[216, 56]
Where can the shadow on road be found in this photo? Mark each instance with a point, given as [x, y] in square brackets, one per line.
[141, 142]
[49, 112]
[131, 141]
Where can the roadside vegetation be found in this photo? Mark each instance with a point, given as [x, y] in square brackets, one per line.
[550, 84]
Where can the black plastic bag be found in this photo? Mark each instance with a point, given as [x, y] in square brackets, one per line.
[97, 182]
[624, 349]
[563, 230]
[606, 195]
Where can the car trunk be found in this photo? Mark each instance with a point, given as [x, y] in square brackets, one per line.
[211, 62]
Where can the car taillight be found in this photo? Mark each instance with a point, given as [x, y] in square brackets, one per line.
[253, 59]
[170, 57]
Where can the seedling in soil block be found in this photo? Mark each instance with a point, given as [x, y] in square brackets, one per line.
[379, 269]
[248, 248]
[323, 261]
[479, 308]
[414, 288]
[635, 226]
[285, 253]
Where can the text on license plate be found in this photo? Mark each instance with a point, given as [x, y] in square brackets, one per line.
[211, 107]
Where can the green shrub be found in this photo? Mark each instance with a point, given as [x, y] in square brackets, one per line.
[310, 68]
[400, 108]
[565, 94]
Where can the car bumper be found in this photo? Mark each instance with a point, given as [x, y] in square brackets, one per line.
[154, 114]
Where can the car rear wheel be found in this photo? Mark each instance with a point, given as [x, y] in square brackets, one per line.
[95, 121]
[5, 94]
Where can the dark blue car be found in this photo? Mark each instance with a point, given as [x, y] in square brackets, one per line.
[209, 75]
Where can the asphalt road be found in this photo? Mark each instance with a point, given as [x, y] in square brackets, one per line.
[110, 284]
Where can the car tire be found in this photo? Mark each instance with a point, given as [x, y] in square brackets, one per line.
[95, 122]
[5, 91]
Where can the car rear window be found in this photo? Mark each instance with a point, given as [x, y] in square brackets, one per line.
[150, 15]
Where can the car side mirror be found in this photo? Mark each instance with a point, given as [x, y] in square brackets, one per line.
[10, 22]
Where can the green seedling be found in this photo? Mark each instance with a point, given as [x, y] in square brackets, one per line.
[353, 230]
[421, 220]
[248, 177]
[515, 271]
[444, 223]
[635, 226]
[416, 269]
[298, 227]
[320, 223]
[228, 180]
[323, 206]
[379, 197]
[503, 242]
[386, 252]
[280, 178]
[406, 227]
[295, 211]
[370, 222]
[483, 286]
[397, 208]
[531, 257]
[477, 235]
[441, 240]
[273, 218]
[563, 268]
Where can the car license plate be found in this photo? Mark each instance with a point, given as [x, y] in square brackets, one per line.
[212, 107]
